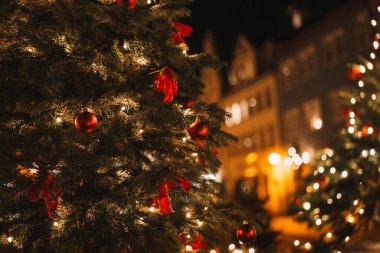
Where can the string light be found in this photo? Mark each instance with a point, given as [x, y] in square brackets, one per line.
[10, 239]
[373, 56]
[318, 222]
[329, 235]
[296, 243]
[141, 131]
[344, 174]
[251, 250]
[373, 96]
[321, 169]
[353, 101]
[350, 219]
[376, 45]
[315, 186]
[361, 211]
[188, 215]
[184, 139]
[369, 65]
[212, 251]
[149, 1]
[350, 130]
[58, 120]
[189, 248]
[330, 201]
[231, 246]
[123, 108]
[356, 202]
[372, 152]
[373, 22]
[307, 246]
[55, 223]
[361, 85]
[306, 206]
[347, 239]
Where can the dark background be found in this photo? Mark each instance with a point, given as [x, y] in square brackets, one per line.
[260, 20]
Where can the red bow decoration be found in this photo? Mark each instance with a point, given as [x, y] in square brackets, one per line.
[196, 242]
[130, 3]
[165, 82]
[163, 195]
[182, 31]
[48, 189]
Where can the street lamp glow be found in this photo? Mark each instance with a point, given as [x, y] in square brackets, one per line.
[274, 158]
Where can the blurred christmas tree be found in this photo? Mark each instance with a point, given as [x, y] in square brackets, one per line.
[343, 194]
[100, 131]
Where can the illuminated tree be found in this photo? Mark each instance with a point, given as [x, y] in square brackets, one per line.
[104, 147]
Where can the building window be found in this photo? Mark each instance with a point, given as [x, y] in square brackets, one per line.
[335, 107]
[292, 124]
[307, 62]
[288, 70]
[363, 31]
[334, 47]
[268, 98]
[313, 114]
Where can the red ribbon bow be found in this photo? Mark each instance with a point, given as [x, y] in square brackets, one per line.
[49, 190]
[163, 195]
[182, 31]
[165, 82]
[195, 243]
[130, 3]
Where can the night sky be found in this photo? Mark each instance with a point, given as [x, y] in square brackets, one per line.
[260, 20]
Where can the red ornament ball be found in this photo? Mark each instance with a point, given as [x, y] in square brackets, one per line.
[198, 131]
[246, 234]
[86, 122]
[131, 4]
[354, 73]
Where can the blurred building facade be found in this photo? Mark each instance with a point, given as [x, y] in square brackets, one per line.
[286, 96]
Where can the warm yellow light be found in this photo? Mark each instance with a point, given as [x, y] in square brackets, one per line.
[58, 119]
[373, 56]
[369, 65]
[188, 215]
[350, 130]
[329, 235]
[251, 250]
[212, 251]
[297, 160]
[350, 218]
[184, 139]
[200, 223]
[315, 186]
[292, 151]
[55, 223]
[123, 108]
[274, 158]
[307, 246]
[288, 161]
[10, 239]
[189, 248]
[321, 169]
[317, 123]
[376, 45]
[296, 243]
[373, 22]
[347, 239]
[231, 246]
[152, 209]
[306, 157]
[344, 174]
[306, 206]
[361, 211]
[251, 158]
[318, 222]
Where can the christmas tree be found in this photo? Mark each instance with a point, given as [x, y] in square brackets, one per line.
[104, 147]
[342, 195]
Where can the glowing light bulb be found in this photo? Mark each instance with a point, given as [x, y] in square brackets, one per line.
[321, 169]
[318, 222]
[189, 248]
[58, 120]
[306, 157]
[231, 246]
[212, 251]
[351, 130]
[123, 108]
[184, 139]
[298, 160]
[344, 174]
[10, 239]
[329, 235]
[55, 223]
[296, 243]
[315, 186]
[332, 170]
[188, 215]
[373, 96]
[350, 219]
[149, 1]
[372, 152]
[353, 101]
[306, 206]
[365, 153]
[370, 130]
[356, 202]
[274, 159]
[361, 211]
[376, 45]
[352, 121]
[339, 196]
[141, 131]
[292, 151]
[200, 223]
[317, 123]
[369, 65]
[251, 250]
[288, 161]
[347, 239]
[307, 246]
[152, 209]
[372, 55]
[330, 201]
[373, 22]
